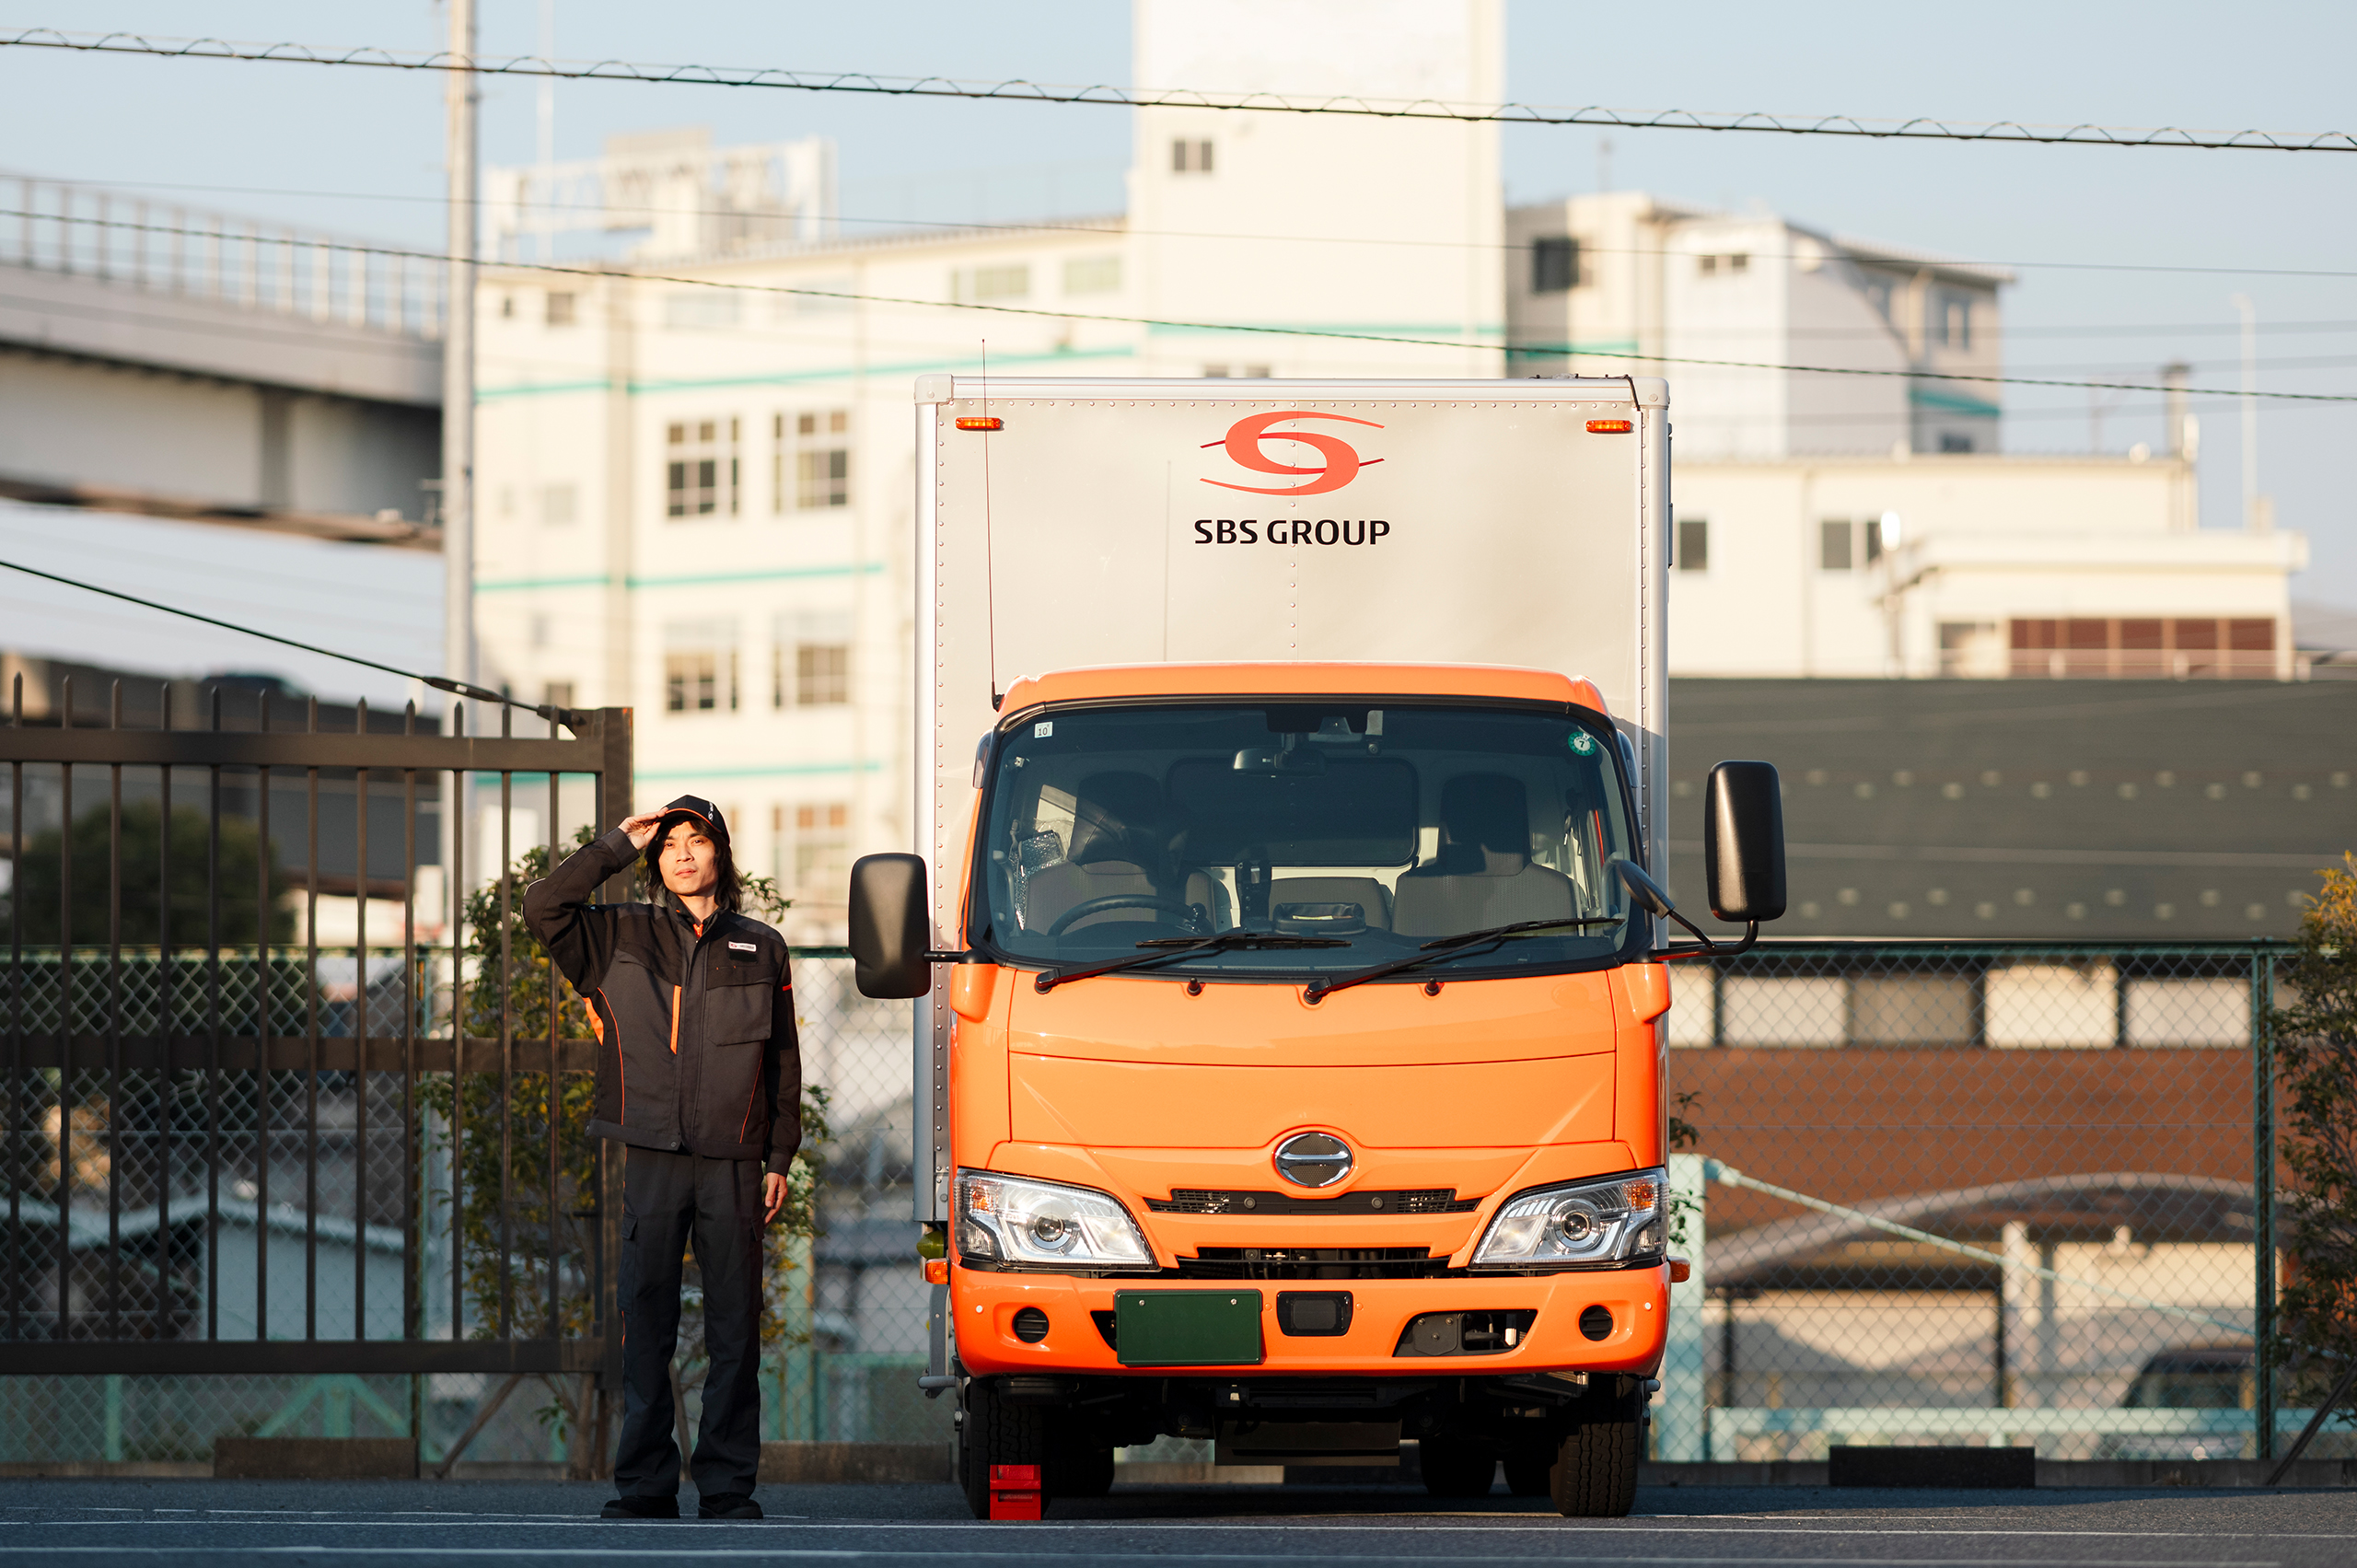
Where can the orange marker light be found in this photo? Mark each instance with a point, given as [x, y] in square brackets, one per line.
[936, 1271]
[972, 422]
[1594, 427]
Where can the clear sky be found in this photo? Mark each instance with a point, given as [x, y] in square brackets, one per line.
[362, 151]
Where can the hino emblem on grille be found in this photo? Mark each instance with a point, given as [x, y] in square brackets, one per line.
[1313, 1159]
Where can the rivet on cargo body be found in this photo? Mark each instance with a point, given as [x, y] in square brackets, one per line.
[1431, 988]
[1194, 988]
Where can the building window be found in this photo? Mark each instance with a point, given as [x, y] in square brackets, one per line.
[820, 453]
[1954, 444]
[810, 660]
[821, 674]
[700, 475]
[691, 682]
[1554, 265]
[1092, 274]
[558, 312]
[2193, 647]
[1190, 157]
[1872, 529]
[557, 694]
[699, 666]
[506, 306]
[822, 853]
[1971, 649]
[1952, 322]
[983, 285]
[1834, 547]
[1693, 544]
[824, 298]
[1711, 266]
[701, 309]
[1228, 372]
[559, 506]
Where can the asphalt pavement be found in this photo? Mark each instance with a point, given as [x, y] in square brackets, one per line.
[516, 1524]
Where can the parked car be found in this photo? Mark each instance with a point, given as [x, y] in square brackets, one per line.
[2213, 1376]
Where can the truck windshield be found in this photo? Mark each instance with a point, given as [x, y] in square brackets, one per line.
[1383, 827]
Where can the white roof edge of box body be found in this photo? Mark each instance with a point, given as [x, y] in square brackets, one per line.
[1648, 391]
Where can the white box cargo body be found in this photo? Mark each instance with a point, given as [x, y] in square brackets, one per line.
[1114, 522]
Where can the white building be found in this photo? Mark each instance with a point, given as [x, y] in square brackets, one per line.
[696, 501]
[1916, 564]
[1602, 282]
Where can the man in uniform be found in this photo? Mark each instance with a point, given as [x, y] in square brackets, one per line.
[700, 1078]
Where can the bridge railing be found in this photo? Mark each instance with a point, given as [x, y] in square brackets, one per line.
[168, 247]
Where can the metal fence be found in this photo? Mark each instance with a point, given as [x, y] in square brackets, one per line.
[1964, 1192]
[259, 1179]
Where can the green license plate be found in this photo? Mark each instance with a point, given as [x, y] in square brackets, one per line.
[1187, 1328]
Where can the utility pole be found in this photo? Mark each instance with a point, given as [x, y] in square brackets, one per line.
[2250, 411]
[458, 397]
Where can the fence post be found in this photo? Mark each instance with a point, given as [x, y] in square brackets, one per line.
[2262, 1196]
[1681, 1431]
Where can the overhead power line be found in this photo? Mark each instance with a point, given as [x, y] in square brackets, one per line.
[1094, 224]
[1871, 128]
[440, 683]
[1324, 333]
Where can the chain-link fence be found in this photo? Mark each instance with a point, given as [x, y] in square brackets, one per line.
[1948, 1193]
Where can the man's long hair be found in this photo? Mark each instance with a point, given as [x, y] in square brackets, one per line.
[727, 891]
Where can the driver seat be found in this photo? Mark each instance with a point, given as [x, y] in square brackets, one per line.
[1113, 852]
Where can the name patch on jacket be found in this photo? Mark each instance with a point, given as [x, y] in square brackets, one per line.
[742, 947]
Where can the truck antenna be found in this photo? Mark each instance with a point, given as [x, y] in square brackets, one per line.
[990, 583]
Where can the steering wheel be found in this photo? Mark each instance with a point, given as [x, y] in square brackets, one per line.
[1188, 913]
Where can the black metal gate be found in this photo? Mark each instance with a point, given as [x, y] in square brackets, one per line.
[236, 1147]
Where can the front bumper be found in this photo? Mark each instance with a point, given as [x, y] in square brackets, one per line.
[984, 1305]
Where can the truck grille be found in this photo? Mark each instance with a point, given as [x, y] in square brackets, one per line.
[1312, 1264]
[1415, 1201]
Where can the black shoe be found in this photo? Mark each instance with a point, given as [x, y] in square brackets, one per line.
[728, 1505]
[641, 1508]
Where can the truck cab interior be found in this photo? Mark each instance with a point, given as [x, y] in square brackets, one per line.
[1384, 828]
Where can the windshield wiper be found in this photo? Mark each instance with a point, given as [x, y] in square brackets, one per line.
[1169, 948]
[1450, 947]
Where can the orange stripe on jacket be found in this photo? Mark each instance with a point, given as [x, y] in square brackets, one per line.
[675, 1020]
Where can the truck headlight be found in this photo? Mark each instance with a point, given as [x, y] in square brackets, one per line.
[1602, 1223]
[1020, 1221]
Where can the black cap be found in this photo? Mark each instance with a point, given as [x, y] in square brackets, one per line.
[696, 805]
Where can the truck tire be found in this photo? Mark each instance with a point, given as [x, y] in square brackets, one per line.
[1454, 1467]
[993, 1432]
[1595, 1467]
[1080, 1458]
[1527, 1474]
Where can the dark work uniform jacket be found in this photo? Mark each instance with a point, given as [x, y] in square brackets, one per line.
[697, 1050]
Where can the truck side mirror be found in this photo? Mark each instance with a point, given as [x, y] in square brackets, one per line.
[1743, 842]
[890, 925]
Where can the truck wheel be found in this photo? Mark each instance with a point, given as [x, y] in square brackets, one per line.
[1456, 1468]
[1080, 1459]
[1595, 1467]
[1528, 1473]
[993, 1432]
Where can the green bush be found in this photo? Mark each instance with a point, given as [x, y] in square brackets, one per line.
[2315, 1054]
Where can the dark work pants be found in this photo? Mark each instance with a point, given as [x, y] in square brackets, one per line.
[667, 1198]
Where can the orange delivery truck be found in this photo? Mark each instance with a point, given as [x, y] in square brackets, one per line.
[1289, 941]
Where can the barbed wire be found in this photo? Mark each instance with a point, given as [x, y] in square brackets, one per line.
[1551, 351]
[1920, 128]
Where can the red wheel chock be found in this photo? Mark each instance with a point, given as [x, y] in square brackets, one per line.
[1014, 1492]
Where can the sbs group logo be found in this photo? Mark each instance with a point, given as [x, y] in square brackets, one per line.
[1243, 443]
